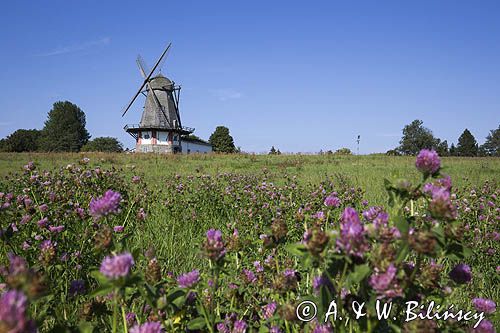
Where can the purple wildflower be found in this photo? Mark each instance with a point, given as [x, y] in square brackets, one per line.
[377, 216]
[352, 234]
[30, 166]
[249, 276]
[385, 284]
[484, 327]
[117, 266]
[80, 212]
[47, 245]
[322, 328]
[268, 310]
[43, 222]
[275, 329]
[441, 205]
[64, 257]
[189, 279]
[484, 305]
[240, 326]
[107, 204]
[289, 273]
[332, 201]
[77, 287]
[130, 318]
[43, 208]
[222, 328]
[214, 246]
[136, 179]
[319, 215]
[322, 281]
[461, 274]
[118, 228]
[56, 229]
[17, 264]
[13, 318]
[148, 327]
[428, 162]
[25, 219]
[258, 266]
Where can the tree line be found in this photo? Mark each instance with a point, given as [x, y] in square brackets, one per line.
[64, 131]
[417, 137]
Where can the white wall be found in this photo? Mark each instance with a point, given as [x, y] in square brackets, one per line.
[192, 147]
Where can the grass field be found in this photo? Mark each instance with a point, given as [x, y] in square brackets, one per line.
[271, 196]
[367, 172]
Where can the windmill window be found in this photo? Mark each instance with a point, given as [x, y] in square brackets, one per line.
[146, 136]
[175, 138]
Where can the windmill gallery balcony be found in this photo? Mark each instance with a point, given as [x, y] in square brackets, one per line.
[134, 129]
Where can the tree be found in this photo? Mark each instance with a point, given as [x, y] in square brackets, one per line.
[222, 141]
[343, 151]
[21, 140]
[415, 138]
[104, 144]
[272, 151]
[393, 152]
[467, 145]
[492, 145]
[453, 150]
[442, 147]
[64, 128]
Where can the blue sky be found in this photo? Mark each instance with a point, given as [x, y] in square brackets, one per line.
[302, 76]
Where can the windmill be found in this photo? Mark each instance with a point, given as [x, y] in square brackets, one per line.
[160, 128]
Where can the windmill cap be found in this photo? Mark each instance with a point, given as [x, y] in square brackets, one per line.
[160, 82]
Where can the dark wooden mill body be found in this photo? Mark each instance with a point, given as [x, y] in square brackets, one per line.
[160, 128]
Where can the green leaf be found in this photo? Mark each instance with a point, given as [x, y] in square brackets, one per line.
[403, 252]
[176, 294]
[439, 233]
[263, 329]
[99, 277]
[102, 290]
[196, 323]
[86, 327]
[359, 273]
[296, 249]
[402, 225]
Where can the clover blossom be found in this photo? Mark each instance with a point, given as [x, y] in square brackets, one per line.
[214, 245]
[105, 205]
[240, 326]
[352, 234]
[249, 276]
[77, 287]
[117, 266]
[385, 284]
[268, 310]
[332, 201]
[189, 279]
[147, 327]
[484, 327]
[441, 205]
[322, 281]
[428, 162]
[13, 317]
[461, 274]
[484, 305]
